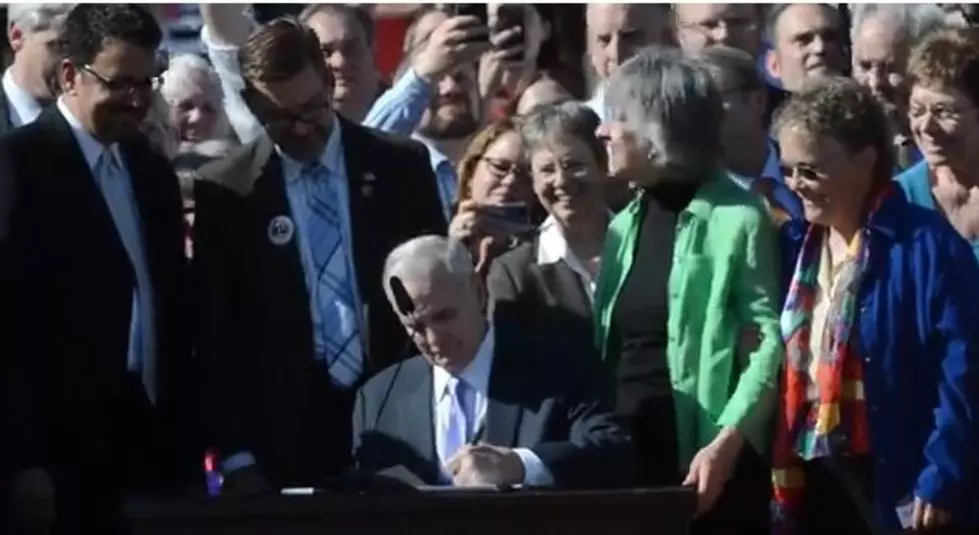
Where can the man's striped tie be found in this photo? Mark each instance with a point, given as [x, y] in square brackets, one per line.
[336, 334]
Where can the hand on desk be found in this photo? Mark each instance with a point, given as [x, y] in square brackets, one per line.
[246, 481]
[712, 467]
[483, 464]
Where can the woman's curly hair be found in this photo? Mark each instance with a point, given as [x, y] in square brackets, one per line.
[843, 110]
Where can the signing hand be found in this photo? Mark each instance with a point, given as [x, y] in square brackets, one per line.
[484, 464]
[712, 467]
[927, 517]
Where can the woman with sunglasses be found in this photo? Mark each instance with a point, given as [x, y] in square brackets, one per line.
[878, 429]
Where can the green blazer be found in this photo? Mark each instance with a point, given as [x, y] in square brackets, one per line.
[724, 279]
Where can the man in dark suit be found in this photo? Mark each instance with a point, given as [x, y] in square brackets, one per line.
[96, 358]
[483, 404]
[290, 235]
[26, 86]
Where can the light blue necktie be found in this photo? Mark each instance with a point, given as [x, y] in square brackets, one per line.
[122, 206]
[336, 335]
[453, 420]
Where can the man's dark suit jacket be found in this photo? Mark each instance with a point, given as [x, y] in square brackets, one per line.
[66, 281]
[5, 123]
[549, 300]
[549, 401]
[265, 392]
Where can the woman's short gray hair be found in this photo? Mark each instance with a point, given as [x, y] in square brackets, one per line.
[421, 256]
[912, 20]
[181, 70]
[672, 106]
[37, 17]
[562, 121]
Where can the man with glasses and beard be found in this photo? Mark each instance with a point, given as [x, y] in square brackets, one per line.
[96, 397]
[291, 233]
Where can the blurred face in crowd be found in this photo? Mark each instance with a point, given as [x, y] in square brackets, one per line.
[808, 42]
[454, 111]
[832, 183]
[195, 107]
[115, 91]
[34, 59]
[616, 31]
[499, 175]
[744, 120]
[703, 25]
[880, 54]
[350, 59]
[448, 324]
[296, 113]
[543, 92]
[943, 122]
[568, 180]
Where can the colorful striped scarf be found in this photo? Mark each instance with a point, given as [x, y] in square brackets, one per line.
[823, 411]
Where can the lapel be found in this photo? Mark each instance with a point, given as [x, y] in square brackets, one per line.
[147, 195]
[279, 266]
[419, 405]
[563, 286]
[505, 389]
[5, 124]
[79, 193]
[361, 186]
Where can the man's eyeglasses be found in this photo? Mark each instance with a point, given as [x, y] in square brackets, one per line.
[281, 119]
[121, 86]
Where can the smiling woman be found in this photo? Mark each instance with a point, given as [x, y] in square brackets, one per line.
[881, 302]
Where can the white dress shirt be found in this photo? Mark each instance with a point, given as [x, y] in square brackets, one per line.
[22, 107]
[477, 376]
[553, 248]
[117, 190]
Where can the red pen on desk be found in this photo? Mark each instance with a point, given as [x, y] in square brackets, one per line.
[212, 477]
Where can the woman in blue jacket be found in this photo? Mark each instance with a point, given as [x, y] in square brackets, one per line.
[879, 417]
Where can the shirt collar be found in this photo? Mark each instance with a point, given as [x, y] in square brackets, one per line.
[23, 104]
[330, 157]
[435, 156]
[772, 169]
[476, 374]
[92, 148]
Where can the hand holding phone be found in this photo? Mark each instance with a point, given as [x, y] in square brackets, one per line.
[510, 20]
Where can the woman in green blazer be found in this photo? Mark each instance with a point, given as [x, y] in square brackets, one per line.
[688, 267]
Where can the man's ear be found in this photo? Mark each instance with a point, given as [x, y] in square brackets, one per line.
[772, 64]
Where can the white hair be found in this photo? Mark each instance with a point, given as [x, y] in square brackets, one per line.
[914, 21]
[422, 256]
[33, 18]
[670, 103]
[181, 72]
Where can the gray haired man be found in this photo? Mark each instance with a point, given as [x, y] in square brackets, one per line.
[27, 84]
[484, 403]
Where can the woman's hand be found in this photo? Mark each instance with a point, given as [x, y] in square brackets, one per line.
[713, 466]
[926, 517]
[485, 237]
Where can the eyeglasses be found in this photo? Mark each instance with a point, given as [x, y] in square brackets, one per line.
[804, 172]
[282, 119]
[501, 168]
[122, 86]
[942, 112]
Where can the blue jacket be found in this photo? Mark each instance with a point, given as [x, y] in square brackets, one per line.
[919, 336]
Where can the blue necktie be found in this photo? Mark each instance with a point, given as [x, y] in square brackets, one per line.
[336, 334]
[122, 206]
[453, 420]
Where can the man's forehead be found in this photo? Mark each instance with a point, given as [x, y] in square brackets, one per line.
[699, 12]
[615, 17]
[334, 26]
[802, 18]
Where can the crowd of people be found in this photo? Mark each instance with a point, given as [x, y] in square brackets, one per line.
[743, 262]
